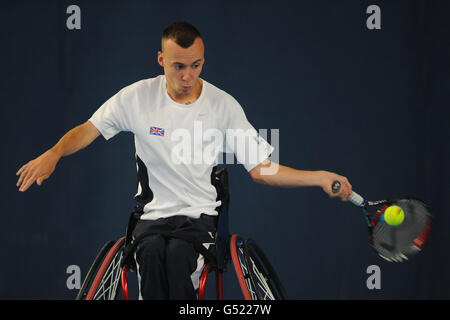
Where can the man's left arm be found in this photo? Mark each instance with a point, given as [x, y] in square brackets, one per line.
[271, 173]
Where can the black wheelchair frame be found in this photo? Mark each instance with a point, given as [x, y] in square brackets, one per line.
[256, 276]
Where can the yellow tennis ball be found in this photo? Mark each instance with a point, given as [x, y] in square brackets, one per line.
[394, 215]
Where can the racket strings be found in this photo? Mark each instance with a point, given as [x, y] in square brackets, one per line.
[406, 239]
[378, 215]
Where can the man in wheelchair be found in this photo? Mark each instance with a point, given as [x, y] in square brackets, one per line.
[176, 199]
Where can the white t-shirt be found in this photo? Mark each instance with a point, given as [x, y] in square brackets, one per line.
[178, 145]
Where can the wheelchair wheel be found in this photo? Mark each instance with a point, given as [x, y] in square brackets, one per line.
[257, 278]
[106, 272]
[82, 293]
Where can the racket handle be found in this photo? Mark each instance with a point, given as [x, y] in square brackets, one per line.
[355, 198]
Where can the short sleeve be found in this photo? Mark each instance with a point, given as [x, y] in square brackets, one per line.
[242, 139]
[111, 118]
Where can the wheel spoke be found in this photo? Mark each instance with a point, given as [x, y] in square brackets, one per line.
[108, 286]
[262, 282]
[246, 273]
[260, 277]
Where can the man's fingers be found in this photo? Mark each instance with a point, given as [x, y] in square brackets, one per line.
[23, 175]
[23, 172]
[20, 170]
[347, 194]
[26, 184]
[346, 191]
[25, 181]
[28, 181]
[41, 179]
[19, 181]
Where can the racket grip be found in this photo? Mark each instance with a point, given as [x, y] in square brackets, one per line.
[355, 198]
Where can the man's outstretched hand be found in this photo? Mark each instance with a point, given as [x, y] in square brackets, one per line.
[37, 170]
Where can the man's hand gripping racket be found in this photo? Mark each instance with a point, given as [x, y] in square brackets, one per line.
[395, 242]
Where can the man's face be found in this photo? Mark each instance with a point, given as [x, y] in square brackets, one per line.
[182, 66]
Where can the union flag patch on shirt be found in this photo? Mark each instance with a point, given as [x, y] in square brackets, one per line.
[157, 131]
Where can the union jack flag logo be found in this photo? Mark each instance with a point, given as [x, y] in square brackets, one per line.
[157, 131]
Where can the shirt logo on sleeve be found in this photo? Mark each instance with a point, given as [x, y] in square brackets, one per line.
[157, 131]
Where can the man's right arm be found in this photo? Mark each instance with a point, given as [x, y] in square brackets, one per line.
[43, 166]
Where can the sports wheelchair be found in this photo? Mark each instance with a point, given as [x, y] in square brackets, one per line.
[257, 278]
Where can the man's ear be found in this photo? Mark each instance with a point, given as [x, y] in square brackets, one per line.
[160, 58]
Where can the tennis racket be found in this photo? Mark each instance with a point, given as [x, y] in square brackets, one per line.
[394, 243]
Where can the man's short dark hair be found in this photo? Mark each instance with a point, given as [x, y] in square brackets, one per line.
[182, 32]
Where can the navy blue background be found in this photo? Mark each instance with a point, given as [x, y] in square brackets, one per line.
[368, 104]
